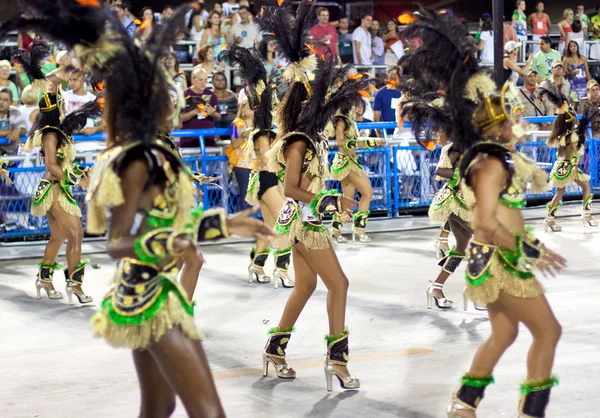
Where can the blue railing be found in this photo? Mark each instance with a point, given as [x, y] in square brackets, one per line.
[403, 178]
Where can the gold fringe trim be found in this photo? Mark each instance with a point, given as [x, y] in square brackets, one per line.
[252, 195]
[55, 194]
[275, 158]
[450, 207]
[104, 192]
[444, 161]
[137, 337]
[41, 85]
[502, 280]
[316, 185]
[480, 81]
[33, 141]
[350, 168]
[575, 176]
[298, 71]
[41, 210]
[312, 240]
[67, 206]
[528, 171]
[185, 200]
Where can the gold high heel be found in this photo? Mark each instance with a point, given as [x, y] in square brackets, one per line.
[286, 282]
[274, 353]
[76, 279]
[337, 353]
[442, 302]
[439, 251]
[336, 235]
[51, 293]
[253, 274]
[587, 220]
[362, 236]
[347, 382]
[550, 224]
[83, 298]
[454, 410]
[359, 226]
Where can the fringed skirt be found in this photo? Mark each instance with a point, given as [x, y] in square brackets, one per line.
[296, 224]
[566, 172]
[142, 305]
[47, 192]
[343, 165]
[448, 201]
[491, 270]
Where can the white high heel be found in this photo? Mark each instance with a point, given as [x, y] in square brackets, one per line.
[52, 294]
[587, 220]
[364, 238]
[254, 275]
[550, 224]
[337, 235]
[442, 302]
[440, 252]
[286, 282]
[83, 298]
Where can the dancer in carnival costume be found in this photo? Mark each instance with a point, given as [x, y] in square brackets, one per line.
[346, 169]
[307, 107]
[264, 188]
[568, 137]
[149, 192]
[53, 195]
[503, 251]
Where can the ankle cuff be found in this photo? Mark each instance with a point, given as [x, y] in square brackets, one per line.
[536, 385]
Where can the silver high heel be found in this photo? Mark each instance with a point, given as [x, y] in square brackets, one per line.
[442, 302]
[336, 235]
[550, 224]
[362, 237]
[83, 298]
[52, 294]
[285, 281]
[347, 382]
[281, 370]
[440, 252]
[454, 409]
[253, 274]
[587, 220]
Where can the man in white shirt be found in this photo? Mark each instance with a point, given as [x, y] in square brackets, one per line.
[77, 97]
[361, 38]
[230, 7]
[244, 33]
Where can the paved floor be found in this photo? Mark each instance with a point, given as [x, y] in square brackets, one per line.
[408, 358]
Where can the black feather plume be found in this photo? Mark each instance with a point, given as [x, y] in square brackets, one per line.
[77, 119]
[31, 62]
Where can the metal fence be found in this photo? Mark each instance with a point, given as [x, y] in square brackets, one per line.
[402, 176]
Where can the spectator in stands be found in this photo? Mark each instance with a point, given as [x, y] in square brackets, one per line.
[486, 41]
[590, 106]
[576, 35]
[120, 8]
[539, 24]
[267, 52]
[594, 30]
[530, 102]
[202, 109]
[576, 69]
[509, 33]
[29, 109]
[564, 26]
[196, 19]
[172, 66]
[558, 85]
[239, 154]
[363, 43]
[378, 44]
[512, 71]
[230, 8]
[392, 38]
[77, 97]
[227, 100]
[519, 20]
[345, 41]
[213, 35]
[144, 31]
[244, 33]
[325, 32]
[386, 101]
[544, 58]
[205, 60]
[24, 39]
[5, 83]
[580, 15]
[12, 124]
[166, 13]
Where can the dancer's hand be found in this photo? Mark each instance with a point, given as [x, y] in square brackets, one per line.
[381, 142]
[243, 225]
[183, 245]
[345, 217]
[348, 204]
[551, 263]
[207, 180]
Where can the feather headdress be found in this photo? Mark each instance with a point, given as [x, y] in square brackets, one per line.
[31, 63]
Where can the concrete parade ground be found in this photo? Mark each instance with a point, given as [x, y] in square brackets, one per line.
[409, 359]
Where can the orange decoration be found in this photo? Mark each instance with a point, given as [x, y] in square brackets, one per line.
[311, 48]
[441, 91]
[467, 58]
[89, 3]
[323, 57]
[406, 18]
[99, 86]
[101, 103]
[280, 2]
[137, 22]
[195, 6]
[16, 64]
[356, 76]
[365, 94]
[201, 107]
[391, 84]
[372, 88]
[429, 145]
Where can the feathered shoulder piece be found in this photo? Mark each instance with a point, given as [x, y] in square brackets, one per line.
[547, 89]
[31, 63]
[292, 34]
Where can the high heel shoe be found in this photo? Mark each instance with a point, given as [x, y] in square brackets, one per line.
[254, 275]
[550, 224]
[362, 236]
[442, 302]
[454, 409]
[51, 293]
[336, 235]
[285, 281]
[439, 251]
[274, 353]
[337, 353]
[468, 395]
[83, 298]
[588, 220]
[359, 226]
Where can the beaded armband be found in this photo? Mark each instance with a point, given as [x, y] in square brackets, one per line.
[156, 245]
[209, 225]
[326, 201]
[370, 143]
[530, 250]
[70, 178]
[196, 176]
[3, 165]
[455, 178]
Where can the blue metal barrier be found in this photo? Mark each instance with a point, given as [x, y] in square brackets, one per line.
[402, 177]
